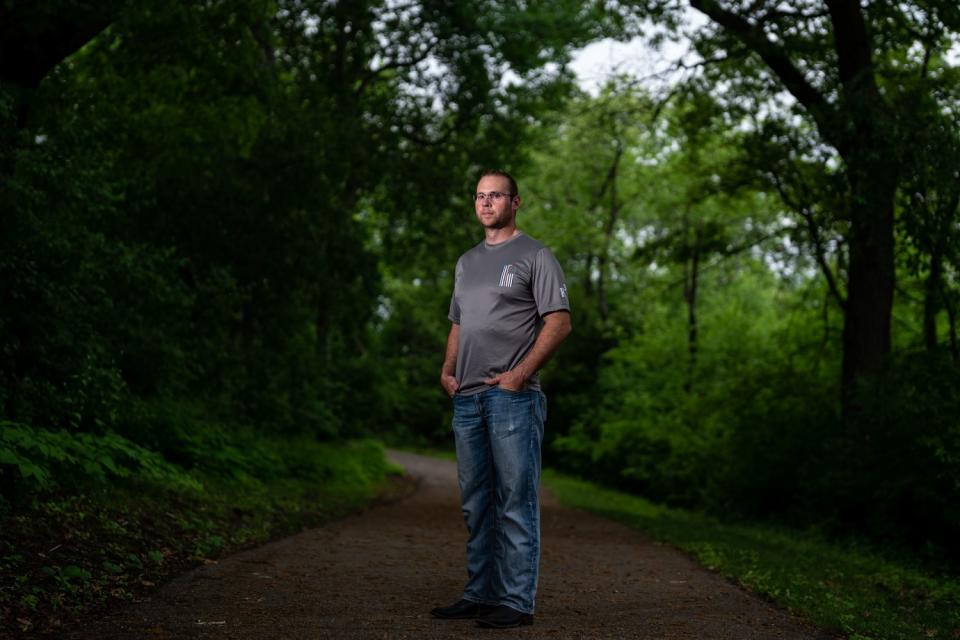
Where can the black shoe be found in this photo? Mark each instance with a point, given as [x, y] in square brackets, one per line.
[504, 617]
[461, 610]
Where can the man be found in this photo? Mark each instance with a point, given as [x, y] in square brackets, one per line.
[509, 313]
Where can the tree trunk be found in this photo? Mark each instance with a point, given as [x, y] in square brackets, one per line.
[931, 299]
[588, 277]
[36, 37]
[952, 317]
[690, 282]
[865, 142]
[866, 327]
[608, 229]
[860, 126]
[693, 332]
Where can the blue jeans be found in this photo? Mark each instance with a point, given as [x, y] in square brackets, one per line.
[498, 435]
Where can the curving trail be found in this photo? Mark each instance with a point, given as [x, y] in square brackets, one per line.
[377, 574]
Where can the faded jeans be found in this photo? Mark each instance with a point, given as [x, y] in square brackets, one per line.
[498, 436]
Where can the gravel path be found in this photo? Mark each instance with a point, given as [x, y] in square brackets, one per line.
[377, 574]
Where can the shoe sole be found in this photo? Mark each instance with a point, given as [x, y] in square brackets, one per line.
[469, 616]
[523, 622]
[462, 617]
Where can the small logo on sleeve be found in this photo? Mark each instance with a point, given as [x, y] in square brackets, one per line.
[563, 291]
[506, 276]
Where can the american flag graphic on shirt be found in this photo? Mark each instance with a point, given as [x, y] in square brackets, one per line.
[506, 276]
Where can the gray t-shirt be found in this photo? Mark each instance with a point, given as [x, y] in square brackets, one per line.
[501, 293]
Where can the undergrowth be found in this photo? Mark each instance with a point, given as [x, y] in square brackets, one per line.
[93, 522]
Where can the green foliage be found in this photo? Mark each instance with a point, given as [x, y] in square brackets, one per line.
[229, 230]
[903, 449]
[68, 553]
[195, 203]
[410, 339]
[705, 375]
[36, 460]
[39, 460]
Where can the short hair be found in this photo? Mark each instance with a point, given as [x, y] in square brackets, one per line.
[514, 189]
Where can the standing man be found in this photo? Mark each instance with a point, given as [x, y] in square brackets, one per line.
[509, 313]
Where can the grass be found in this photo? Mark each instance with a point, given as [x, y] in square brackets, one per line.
[69, 555]
[851, 588]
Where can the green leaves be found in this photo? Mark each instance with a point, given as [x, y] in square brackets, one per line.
[45, 459]
[66, 556]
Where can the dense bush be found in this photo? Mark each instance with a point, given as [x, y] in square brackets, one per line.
[778, 449]
[166, 233]
[39, 461]
[36, 460]
[902, 475]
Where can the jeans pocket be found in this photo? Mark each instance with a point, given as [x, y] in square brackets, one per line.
[513, 413]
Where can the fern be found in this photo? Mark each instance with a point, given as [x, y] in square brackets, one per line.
[33, 458]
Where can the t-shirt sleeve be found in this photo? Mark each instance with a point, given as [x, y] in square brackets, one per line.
[549, 284]
[454, 314]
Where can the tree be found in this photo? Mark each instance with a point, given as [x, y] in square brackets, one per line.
[831, 61]
[930, 205]
[197, 205]
[37, 36]
[643, 208]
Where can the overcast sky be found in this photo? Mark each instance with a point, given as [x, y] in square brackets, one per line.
[599, 60]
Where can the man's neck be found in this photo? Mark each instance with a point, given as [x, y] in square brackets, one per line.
[496, 236]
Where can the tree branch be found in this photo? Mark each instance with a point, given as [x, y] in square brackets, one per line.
[819, 251]
[728, 253]
[793, 15]
[853, 49]
[754, 38]
[36, 37]
[373, 74]
[608, 179]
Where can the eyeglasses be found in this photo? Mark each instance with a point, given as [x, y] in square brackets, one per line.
[494, 196]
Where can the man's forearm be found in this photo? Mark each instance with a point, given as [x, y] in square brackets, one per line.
[556, 327]
[449, 369]
[450, 357]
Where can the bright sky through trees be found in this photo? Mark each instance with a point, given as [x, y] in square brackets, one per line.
[656, 67]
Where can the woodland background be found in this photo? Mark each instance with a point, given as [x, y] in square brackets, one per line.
[228, 233]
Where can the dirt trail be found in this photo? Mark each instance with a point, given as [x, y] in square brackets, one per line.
[377, 574]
